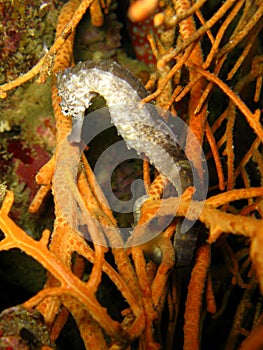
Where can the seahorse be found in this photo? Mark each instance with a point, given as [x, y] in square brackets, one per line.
[141, 126]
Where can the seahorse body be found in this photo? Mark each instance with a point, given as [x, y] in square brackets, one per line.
[140, 125]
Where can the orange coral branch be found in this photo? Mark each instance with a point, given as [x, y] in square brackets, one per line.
[252, 119]
[70, 284]
[209, 295]
[218, 221]
[221, 32]
[208, 24]
[234, 195]
[219, 167]
[194, 298]
[242, 32]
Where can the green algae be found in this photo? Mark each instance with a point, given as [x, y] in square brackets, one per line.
[27, 29]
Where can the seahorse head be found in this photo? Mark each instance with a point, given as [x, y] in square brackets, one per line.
[72, 103]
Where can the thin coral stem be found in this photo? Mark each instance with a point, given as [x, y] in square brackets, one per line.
[234, 195]
[246, 180]
[171, 73]
[59, 323]
[209, 295]
[161, 277]
[251, 208]
[209, 24]
[229, 152]
[252, 119]
[257, 156]
[23, 78]
[188, 12]
[195, 298]
[39, 197]
[241, 314]
[97, 191]
[45, 174]
[146, 174]
[247, 156]
[209, 87]
[202, 20]
[212, 142]
[219, 121]
[90, 330]
[100, 249]
[96, 14]
[242, 33]
[258, 89]
[173, 98]
[7, 203]
[242, 57]
[173, 308]
[221, 32]
[186, 89]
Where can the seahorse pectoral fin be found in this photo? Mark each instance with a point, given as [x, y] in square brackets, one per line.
[77, 123]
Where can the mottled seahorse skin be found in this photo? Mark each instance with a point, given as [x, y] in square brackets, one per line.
[141, 126]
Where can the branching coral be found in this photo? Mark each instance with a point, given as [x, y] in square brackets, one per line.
[209, 70]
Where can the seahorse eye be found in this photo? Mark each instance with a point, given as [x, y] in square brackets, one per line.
[65, 111]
